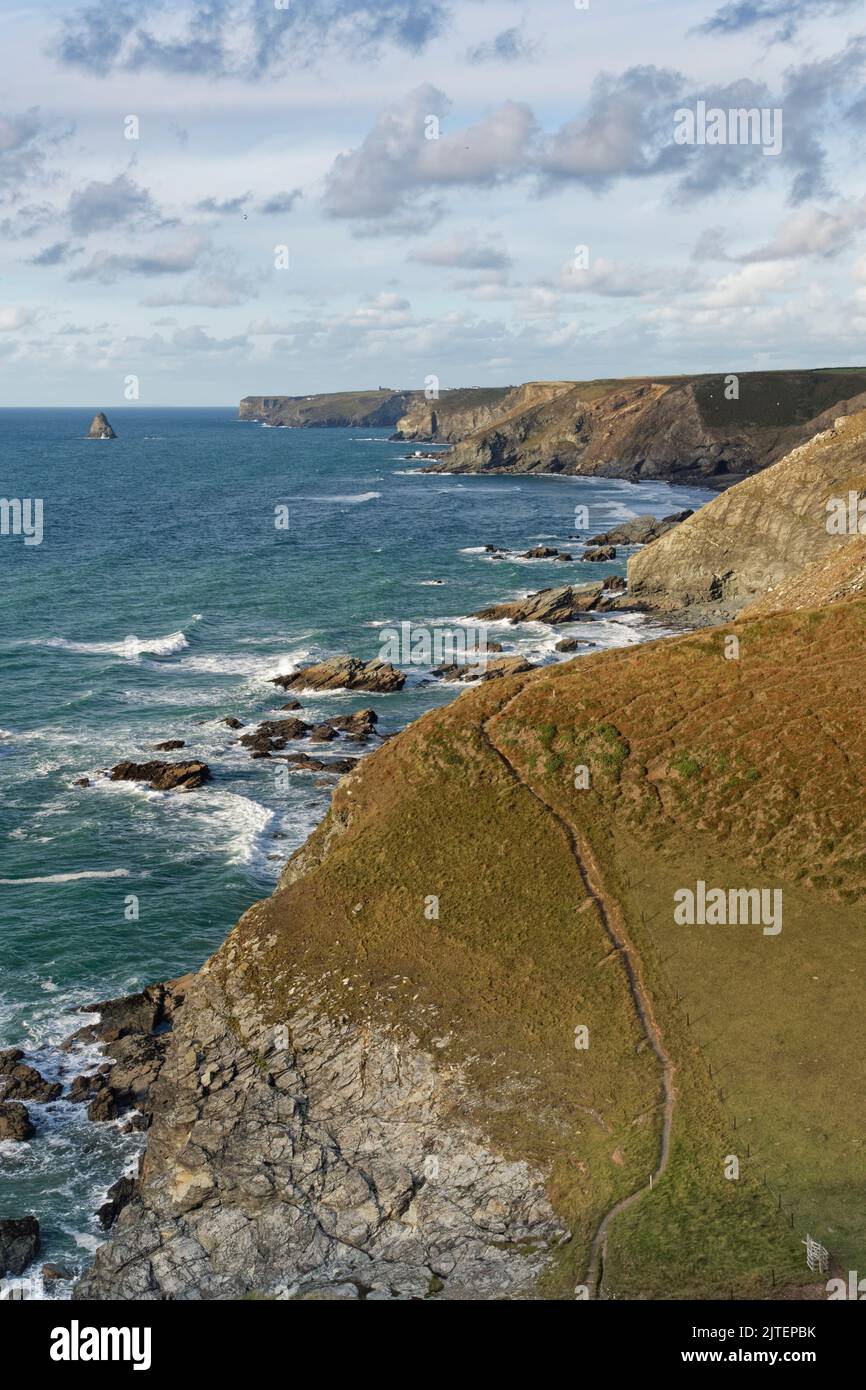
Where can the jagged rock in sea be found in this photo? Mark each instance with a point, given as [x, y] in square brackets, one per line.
[163, 777]
[101, 429]
[305, 763]
[272, 735]
[19, 1242]
[345, 673]
[547, 606]
[136, 1031]
[120, 1194]
[15, 1123]
[19, 1081]
[484, 671]
[641, 530]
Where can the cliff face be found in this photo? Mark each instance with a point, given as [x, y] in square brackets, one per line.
[456, 414]
[338, 410]
[760, 533]
[444, 1059]
[681, 430]
[829, 578]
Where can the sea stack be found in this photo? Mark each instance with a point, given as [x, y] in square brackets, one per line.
[101, 429]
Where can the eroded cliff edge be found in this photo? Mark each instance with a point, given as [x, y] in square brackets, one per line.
[378, 1088]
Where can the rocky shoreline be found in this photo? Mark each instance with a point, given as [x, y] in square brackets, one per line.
[138, 1033]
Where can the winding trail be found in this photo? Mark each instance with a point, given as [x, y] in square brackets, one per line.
[614, 925]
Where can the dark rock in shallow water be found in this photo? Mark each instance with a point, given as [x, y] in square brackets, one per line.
[52, 1272]
[570, 644]
[641, 530]
[540, 552]
[83, 782]
[323, 733]
[485, 671]
[169, 745]
[308, 764]
[137, 1029]
[345, 673]
[120, 1194]
[273, 735]
[547, 606]
[15, 1122]
[602, 554]
[163, 777]
[18, 1081]
[615, 584]
[19, 1242]
[101, 429]
[233, 723]
[292, 704]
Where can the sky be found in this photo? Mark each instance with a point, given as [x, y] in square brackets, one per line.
[207, 199]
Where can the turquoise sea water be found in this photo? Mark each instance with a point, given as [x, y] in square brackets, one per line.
[162, 598]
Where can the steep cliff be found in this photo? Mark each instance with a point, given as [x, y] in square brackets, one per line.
[465, 1050]
[456, 414]
[679, 429]
[336, 410]
[838, 575]
[758, 534]
[448, 417]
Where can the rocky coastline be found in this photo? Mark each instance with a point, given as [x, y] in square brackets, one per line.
[294, 1144]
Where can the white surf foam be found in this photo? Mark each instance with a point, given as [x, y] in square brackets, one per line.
[130, 648]
[69, 878]
[346, 498]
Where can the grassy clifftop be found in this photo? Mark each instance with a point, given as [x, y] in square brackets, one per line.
[685, 429]
[742, 773]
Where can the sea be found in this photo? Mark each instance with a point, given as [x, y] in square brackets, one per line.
[176, 571]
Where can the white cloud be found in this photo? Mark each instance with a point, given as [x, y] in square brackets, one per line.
[13, 317]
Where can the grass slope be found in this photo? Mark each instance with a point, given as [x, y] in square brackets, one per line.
[743, 773]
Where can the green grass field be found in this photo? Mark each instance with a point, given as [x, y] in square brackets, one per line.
[744, 773]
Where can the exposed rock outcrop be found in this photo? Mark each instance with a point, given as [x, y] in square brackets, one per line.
[641, 530]
[345, 673]
[120, 1194]
[19, 1244]
[305, 763]
[352, 1121]
[547, 606]
[830, 578]
[484, 671]
[15, 1123]
[101, 429]
[273, 735]
[135, 1030]
[757, 535]
[455, 414]
[19, 1081]
[164, 777]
